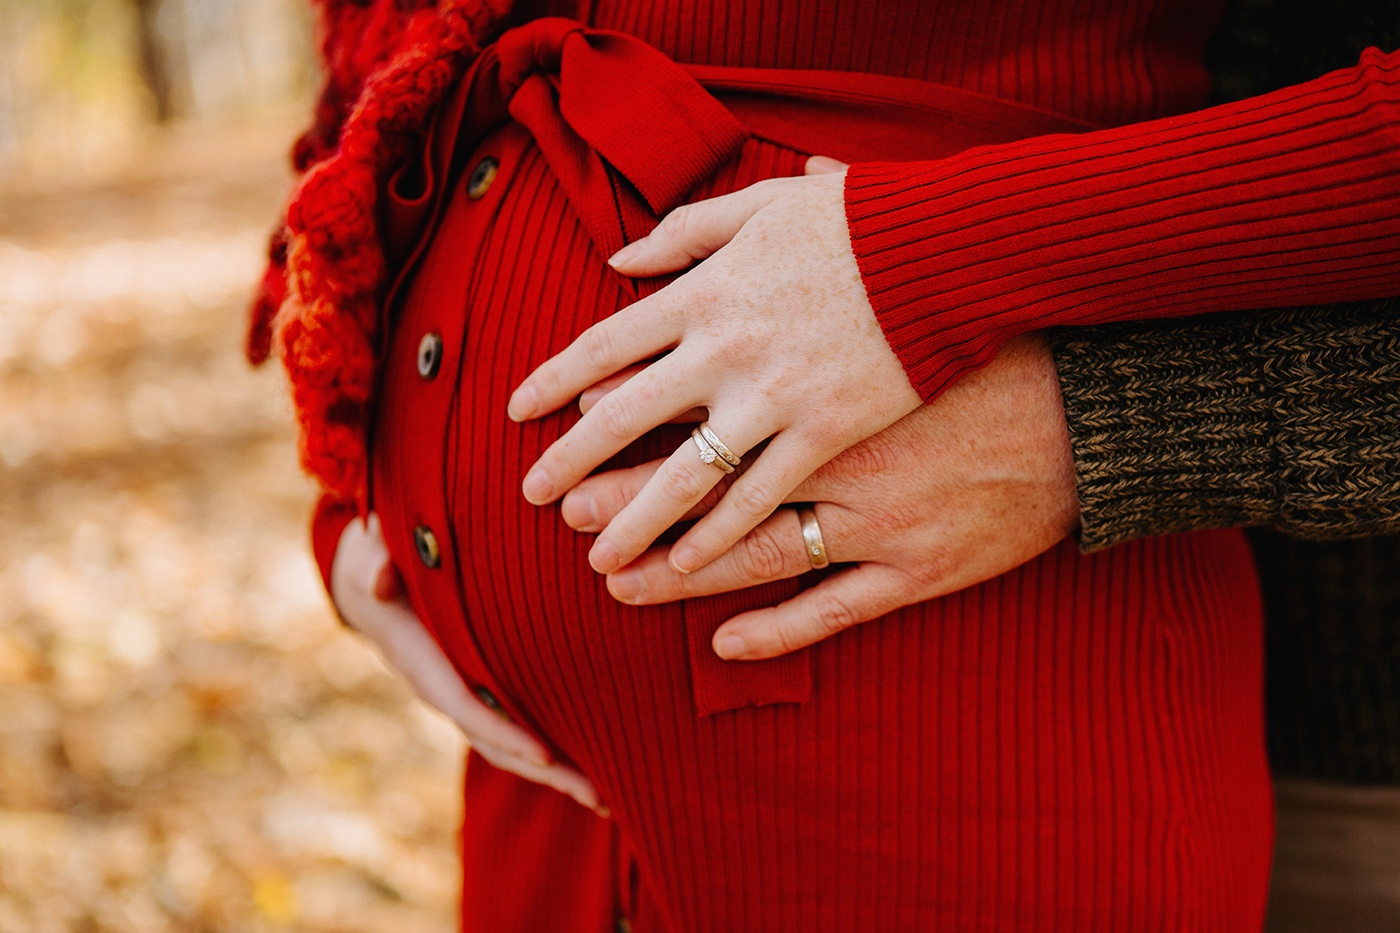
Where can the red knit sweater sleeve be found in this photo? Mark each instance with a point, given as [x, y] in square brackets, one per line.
[1282, 200]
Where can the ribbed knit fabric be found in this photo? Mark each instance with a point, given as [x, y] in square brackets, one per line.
[1282, 200]
[1290, 420]
[1074, 746]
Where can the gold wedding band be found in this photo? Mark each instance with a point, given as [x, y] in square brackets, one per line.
[708, 454]
[812, 537]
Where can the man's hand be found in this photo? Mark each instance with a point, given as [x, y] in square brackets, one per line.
[368, 593]
[954, 493]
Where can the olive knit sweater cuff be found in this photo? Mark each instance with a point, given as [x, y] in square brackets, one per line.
[1289, 419]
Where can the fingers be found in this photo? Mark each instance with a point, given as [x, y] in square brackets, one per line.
[824, 165]
[565, 780]
[594, 394]
[693, 231]
[859, 594]
[596, 501]
[764, 487]
[410, 651]
[640, 330]
[775, 550]
[678, 485]
[618, 419]
[388, 585]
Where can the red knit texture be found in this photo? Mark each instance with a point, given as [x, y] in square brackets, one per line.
[388, 63]
[357, 36]
[1284, 200]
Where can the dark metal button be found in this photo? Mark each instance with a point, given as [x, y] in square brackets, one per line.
[426, 542]
[624, 925]
[488, 700]
[479, 182]
[429, 355]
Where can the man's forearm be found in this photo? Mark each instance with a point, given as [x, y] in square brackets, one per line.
[1288, 420]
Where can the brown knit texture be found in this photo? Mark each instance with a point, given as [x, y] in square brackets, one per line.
[1289, 420]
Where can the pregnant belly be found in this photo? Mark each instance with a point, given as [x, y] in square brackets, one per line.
[1077, 744]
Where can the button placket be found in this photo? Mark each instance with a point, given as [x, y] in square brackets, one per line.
[433, 322]
[428, 361]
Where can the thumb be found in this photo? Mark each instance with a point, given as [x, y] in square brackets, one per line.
[384, 581]
[850, 597]
[388, 585]
[693, 231]
[824, 165]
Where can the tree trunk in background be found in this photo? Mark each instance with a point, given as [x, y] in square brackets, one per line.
[155, 59]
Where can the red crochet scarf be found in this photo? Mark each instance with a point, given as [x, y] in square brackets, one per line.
[388, 62]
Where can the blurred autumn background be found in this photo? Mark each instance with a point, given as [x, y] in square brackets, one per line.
[188, 741]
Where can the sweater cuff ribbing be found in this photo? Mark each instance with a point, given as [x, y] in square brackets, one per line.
[1288, 419]
[1286, 199]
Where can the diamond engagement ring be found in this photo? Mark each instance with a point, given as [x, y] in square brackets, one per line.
[708, 454]
[729, 456]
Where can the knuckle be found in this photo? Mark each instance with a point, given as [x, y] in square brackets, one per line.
[677, 224]
[615, 419]
[753, 500]
[548, 381]
[599, 348]
[936, 565]
[870, 457]
[835, 615]
[682, 485]
[788, 637]
[901, 515]
[760, 557]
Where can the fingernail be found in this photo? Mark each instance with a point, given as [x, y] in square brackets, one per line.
[538, 486]
[685, 559]
[729, 647]
[627, 253]
[524, 403]
[604, 557]
[629, 585]
[580, 511]
[604, 811]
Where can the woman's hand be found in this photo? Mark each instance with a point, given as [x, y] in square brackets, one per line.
[368, 593]
[772, 335]
[955, 493]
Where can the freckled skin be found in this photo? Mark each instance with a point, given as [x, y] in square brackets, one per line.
[774, 337]
[952, 494]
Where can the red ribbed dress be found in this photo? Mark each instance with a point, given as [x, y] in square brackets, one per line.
[1077, 745]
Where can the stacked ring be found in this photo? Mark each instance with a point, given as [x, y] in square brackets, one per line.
[708, 454]
[729, 456]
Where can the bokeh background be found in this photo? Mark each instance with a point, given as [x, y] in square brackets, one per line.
[188, 740]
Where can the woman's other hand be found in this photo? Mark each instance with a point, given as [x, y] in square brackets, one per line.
[772, 335]
[955, 493]
[368, 593]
